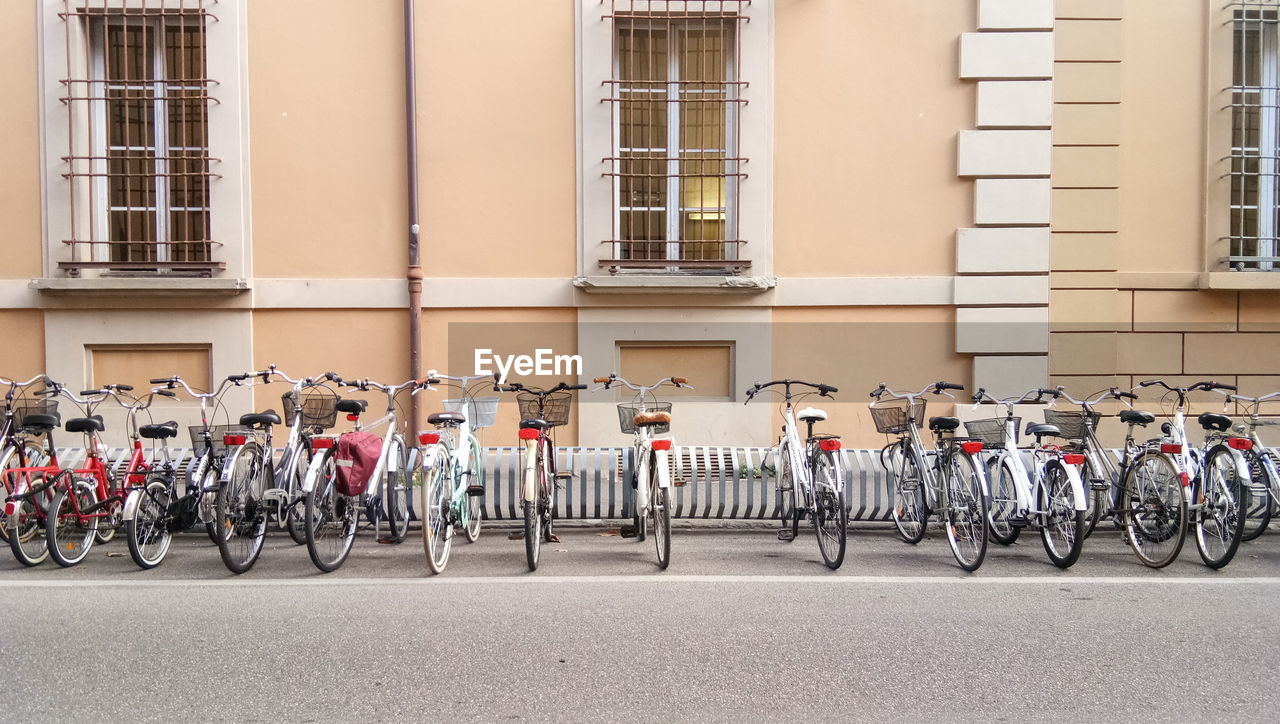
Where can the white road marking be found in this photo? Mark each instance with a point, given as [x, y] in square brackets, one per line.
[518, 580]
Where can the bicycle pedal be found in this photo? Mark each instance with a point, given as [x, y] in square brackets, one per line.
[475, 491]
[1099, 486]
[1019, 521]
[564, 476]
[786, 534]
[389, 541]
[629, 531]
[518, 535]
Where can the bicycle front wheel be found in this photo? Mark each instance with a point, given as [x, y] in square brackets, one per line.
[27, 524]
[1219, 522]
[1257, 498]
[1153, 510]
[788, 510]
[532, 533]
[70, 532]
[330, 519]
[240, 513]
[966, 511]
[660, 514]
[395, 491]
[910, 514]
[1061, 528]
[830, 516]
[147, 532]
[437, 527]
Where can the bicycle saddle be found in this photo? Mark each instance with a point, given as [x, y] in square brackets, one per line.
[85, 424]
[40, 422]
[1041, 430]
[446, 418]
[944, 424]
[531, 424]
[351, 407]
[159, 431]
[1214, 421]
[264, 419]
[811, 414]
[645, 419]
[1136, 417]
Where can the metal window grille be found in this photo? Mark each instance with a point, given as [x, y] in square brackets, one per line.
[1255, 137]
[138, 162]
[676, 166]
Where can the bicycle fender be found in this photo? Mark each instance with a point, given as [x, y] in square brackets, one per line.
[1242, 465]
[661, 461]
[11, 505]
[432, 457]
[229, 465]
[530, 486]
[313, 472]
[131, 504]
[1077, 485]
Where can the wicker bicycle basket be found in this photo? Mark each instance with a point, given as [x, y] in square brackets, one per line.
[552, 408]
[319, 409]
[215, 434]
[24, 408]
[1074, 425]
[991, 431]
[627, 412]
[480, 411]
[891, 418]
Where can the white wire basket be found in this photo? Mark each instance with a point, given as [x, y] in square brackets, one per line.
[480, 411]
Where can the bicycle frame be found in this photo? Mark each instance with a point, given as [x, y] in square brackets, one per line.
[1188, 459]
[456, 453]
[1266, 456]
[646, 453]
[1029, 483]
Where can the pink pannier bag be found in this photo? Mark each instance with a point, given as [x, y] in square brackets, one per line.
[356, 458]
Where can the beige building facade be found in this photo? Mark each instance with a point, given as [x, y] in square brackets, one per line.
[1005, 193]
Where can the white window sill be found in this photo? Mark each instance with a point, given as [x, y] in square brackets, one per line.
[633, 283]
[166, 286]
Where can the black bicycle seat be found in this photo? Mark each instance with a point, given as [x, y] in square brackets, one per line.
[1136, 417]
[159, 431]
[263, 419]
[85, 424]
[944, 424]
[446, 418]
[1214, 421]
[534, 424]
[1040, 430]
[351, 407]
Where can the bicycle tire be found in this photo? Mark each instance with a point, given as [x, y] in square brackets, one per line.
[27, 525]
[147, 532]
[70, 535]
[395, 492]
[660, 514]
[1153, 511]
[1258, 516]
[532, 533]
[788, 513]
[1219, 523]
[1061, 532]
[11, 458]
[208, 486]
[475, 503]
[241, 515]
[830, 516]
[437, 531]
[296, 511]
[966, 516]
[1004, 501]
[909, 510]
[1098, 500]
[330, 518]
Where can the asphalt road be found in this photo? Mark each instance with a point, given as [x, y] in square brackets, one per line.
[740, 626]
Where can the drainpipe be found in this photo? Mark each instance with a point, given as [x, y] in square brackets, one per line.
[413, 274]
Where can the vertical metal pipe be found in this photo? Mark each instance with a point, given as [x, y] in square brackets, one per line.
[413, 273]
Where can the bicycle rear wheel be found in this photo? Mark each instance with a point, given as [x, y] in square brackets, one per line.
[330, 518]
[966, 511]
[1153, 510]
[1258, 497]
[1219, 523]
[830, 517]
[660, 514]
[240, 513]
[910, 514]
[395, 491]
[71, 533]
[12, 459]
[437, 529]
[296, 511]
[147, 532]
[1060, 530]
[27, 524]
[1097, 501]
[1004, 501]
[475, 503]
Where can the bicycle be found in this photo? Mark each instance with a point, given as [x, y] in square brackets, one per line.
[331, 515]
[86, 497]
[1264, 465]
[1049, 494]
[809, 473]
[453, 468]
[29, 482]
[19, 448]
[644, 418]
[947, 480]
[541, 410]
[254, 491]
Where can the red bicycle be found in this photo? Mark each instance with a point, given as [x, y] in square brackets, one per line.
[87, 501]
[27, 467]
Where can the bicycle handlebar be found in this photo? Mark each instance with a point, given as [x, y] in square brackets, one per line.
[614, 378]
[540, 392]
[936, 388]
[28, 383]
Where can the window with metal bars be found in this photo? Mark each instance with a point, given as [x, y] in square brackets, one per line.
[138, 158]
[1255, 138]
[676, 168]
